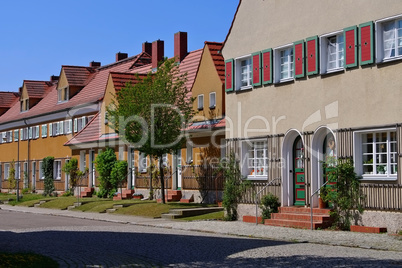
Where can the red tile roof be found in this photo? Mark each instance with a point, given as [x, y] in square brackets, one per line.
[78, 75]
[7, 99]
[209, 124]
[91, 132]
[190, 65]
[215, 49]
[37, 89]
[121, 79]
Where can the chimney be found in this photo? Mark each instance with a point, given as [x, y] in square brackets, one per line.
[180, 46]
[94, 64]
[147, 47]
[158, 51]
[54, 78]
[121, 56]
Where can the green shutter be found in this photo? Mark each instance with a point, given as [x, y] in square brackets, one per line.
[256, 68]
[298, 57]
[229, 75]
[366, 39]
[350, 46]
[312, 55]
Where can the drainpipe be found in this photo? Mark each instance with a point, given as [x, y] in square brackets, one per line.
[27, 152]
[18, 161]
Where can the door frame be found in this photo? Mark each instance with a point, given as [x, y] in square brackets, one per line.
[300, 173]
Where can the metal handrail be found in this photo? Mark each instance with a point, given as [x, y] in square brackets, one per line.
[311, 203]
[256, 198]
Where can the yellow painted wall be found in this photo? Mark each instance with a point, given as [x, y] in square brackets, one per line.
[107, 100]
[208, 81]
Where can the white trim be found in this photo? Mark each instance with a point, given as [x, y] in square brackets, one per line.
[277, 63]
[323, 52]
[57, 170]
[237, 73]
[199, 98]
[212, 94]
[378, 36]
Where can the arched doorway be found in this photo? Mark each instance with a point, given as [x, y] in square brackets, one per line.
[323, 151]
[299, 190]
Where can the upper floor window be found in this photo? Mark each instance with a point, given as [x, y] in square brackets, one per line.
[44, 130]
[62, 94]
[24, 105]
[332, 52]
[376, 154]
[243, 73]
[212, 100]
[389, 39]
[16, 135]
[284, 64]
[200, 99]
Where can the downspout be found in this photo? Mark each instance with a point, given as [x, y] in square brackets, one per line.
[27, 152]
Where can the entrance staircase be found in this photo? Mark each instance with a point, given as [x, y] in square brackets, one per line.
[300, 217]
[86, 192]
[172, 195]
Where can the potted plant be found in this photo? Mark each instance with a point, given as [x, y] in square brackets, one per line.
[138, 196]
[380, 169]
[323, 198]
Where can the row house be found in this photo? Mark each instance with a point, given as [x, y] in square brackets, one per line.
[314, 79]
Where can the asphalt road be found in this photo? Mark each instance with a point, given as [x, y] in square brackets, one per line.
[75, 242]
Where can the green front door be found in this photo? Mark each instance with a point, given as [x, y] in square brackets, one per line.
[299, 178]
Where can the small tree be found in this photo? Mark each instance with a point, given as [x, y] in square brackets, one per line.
[269, 204]
[11, 176]
[152, 113]
[74, 173]
[234, 187]
[105, 162]
[119, 173]
[344, 194]
[47, 169]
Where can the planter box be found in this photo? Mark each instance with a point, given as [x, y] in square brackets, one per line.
[367, 229]
[138, 197]
[251, 219]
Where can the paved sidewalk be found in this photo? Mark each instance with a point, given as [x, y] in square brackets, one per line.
[238, 228]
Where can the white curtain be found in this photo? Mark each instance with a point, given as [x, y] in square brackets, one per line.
[389, 39]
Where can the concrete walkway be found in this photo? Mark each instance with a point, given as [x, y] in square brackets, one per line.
[238, 228]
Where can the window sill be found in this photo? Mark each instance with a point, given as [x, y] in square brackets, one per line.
[63, 101]
[337, 70]
[385, 60]
[257, 177]
[291, 79]
[212, 107]
[200, 109]
[370, 177]
[244, 88]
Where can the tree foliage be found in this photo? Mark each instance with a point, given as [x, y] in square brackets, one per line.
[11, 176]
[152, 113]
[74, 173]
[105, 162]
[344, 193]
[269, 204]
[47, 169]
[119, 173]
[234, 187]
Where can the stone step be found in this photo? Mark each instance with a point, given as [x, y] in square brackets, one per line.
[300, 217]
[71, 207]
[304, 210]
[110, 210]
[182, 213]
[295, 224]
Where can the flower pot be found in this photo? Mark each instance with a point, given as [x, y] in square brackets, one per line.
[321, 203]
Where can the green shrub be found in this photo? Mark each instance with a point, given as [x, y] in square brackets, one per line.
[47, 169]
[269, 204]
[104, 165]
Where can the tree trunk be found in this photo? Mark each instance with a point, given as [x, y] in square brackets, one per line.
[162, 178]
[151, 190]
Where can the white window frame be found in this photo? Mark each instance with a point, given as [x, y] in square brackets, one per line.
[277, 64]
[324, 40]
[30, 133]
[10, 136]
[17, 167]
[41, 174]
[16, 134]
[6, 170]
[61, 127]
[75, 125]
[200, 102]
[57, 170]
[189, 153]
[83, 162]
[56, 129]
[249, 153]
[50, 129]
[379, 39]
[240, 72]
[44, 130]
[358, 155]
[212, 100]
[33, 174]
[142, 162]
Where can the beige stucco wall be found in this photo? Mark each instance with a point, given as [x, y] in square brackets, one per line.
[357, 97]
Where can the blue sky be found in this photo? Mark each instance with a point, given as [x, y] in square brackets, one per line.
[37, 37]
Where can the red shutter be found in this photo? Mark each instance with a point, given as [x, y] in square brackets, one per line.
[350, 39]
[229, 81]
[267, 66]
[256, 63]
[366, 43]
[312, 55]
[298, 52]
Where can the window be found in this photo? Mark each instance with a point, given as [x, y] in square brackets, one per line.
[243, 73]
[255, 159]
[389, 39]
[33, 172]
[56, 128]
[41, 175]
[17, 170]
[57, 170]
[24, 133]
[142, 163]
[4, 137]
[9, 136]
[200, 102]
[106, 118]
[61, 127]
[332, 52]
[24, 105]
[376, 154]
[44, 131]
[16, 135]
[212, 100]
[79, 123]
[6, 171]
[62, 94]
[83, 162]
[284, 64]
[189, 153]
[68, 126]
[30, 133]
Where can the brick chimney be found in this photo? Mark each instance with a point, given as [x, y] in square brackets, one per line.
[158, 51]
[180, 46]
[94, 64]
[54, 78]
[147, 47]
[121, 56]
